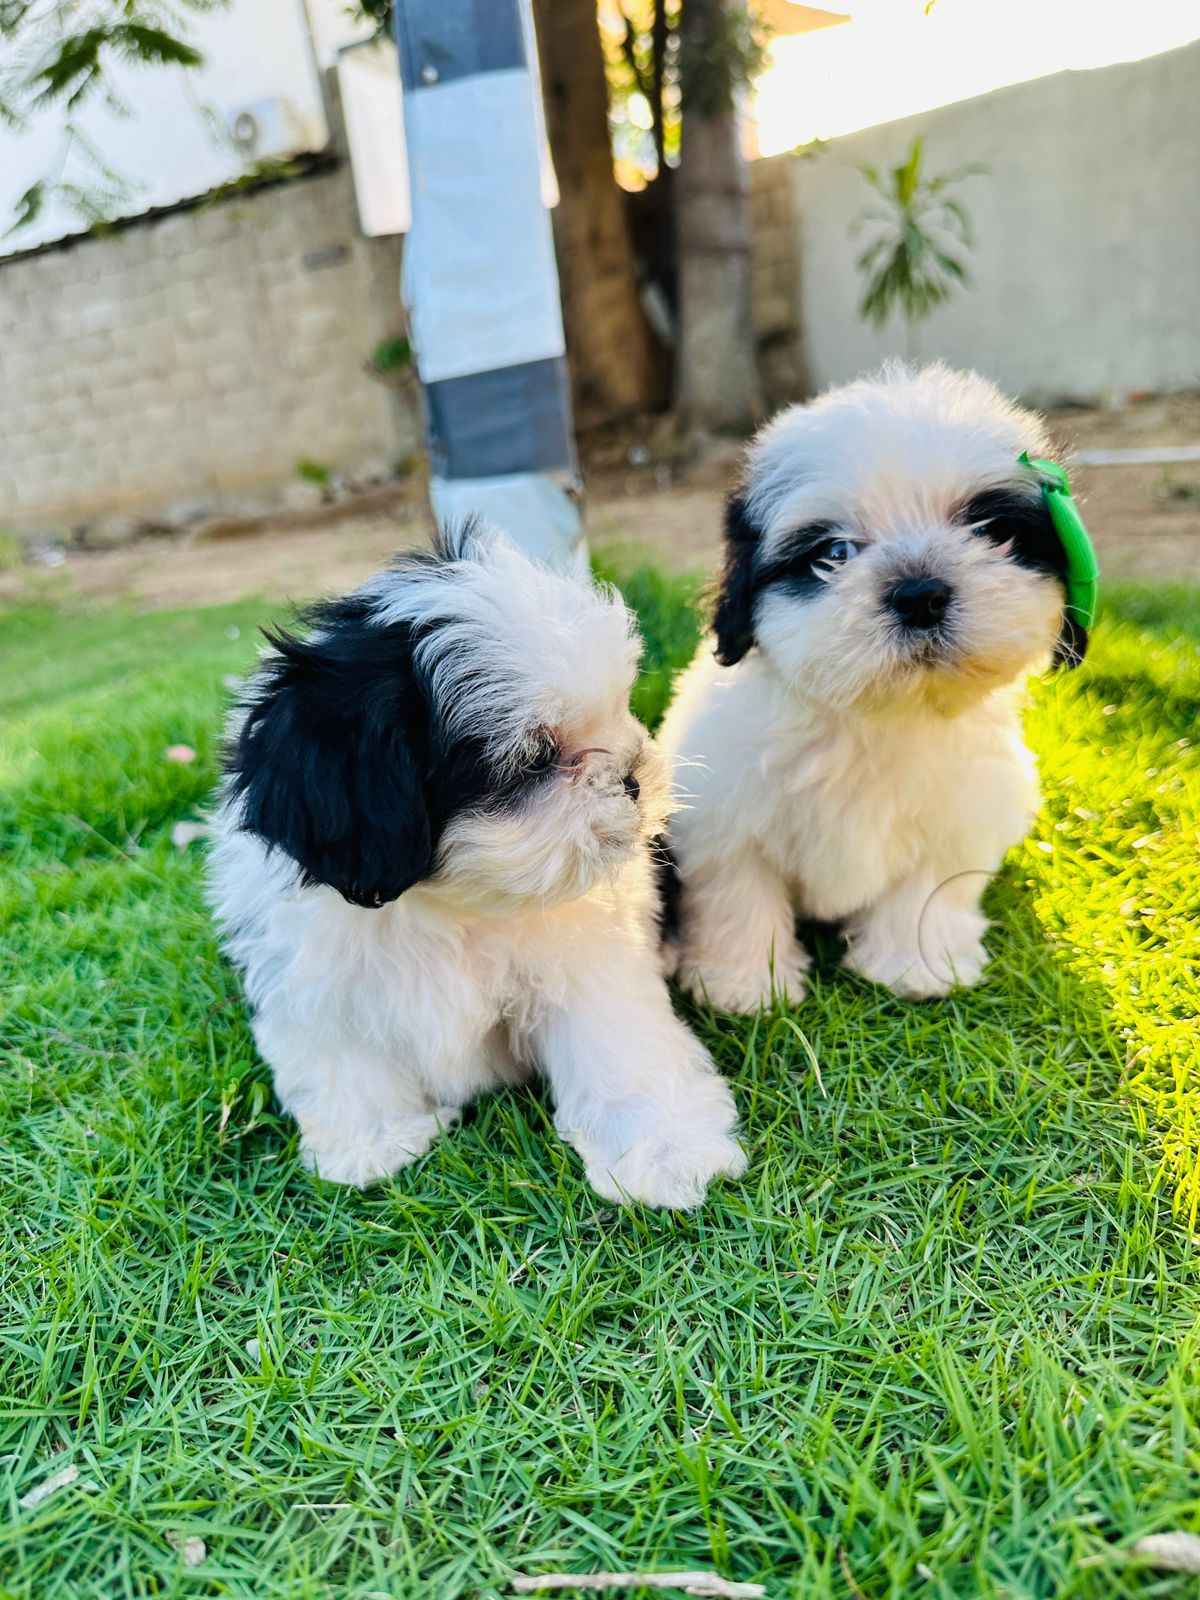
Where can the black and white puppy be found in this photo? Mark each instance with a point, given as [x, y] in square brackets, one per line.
[852, 751]
[431, 865]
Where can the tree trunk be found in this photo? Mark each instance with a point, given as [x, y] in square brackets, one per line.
[617, 365]
[716, 378]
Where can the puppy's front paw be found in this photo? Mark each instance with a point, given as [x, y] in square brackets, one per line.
[671, 1172]
[360, 1159]
[910, 977]
[746, 990]
[671, 1161]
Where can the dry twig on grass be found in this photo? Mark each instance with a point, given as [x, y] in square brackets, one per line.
[43, 1491]
[1172, 1552]
[851, 1582]
[1169, 1552]
[709, 1584]
[192, 1548]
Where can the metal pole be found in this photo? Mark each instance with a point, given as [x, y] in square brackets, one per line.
[479, 276]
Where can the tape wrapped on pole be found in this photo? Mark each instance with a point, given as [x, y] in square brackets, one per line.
[479, 277]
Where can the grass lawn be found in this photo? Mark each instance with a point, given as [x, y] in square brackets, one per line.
[942, 1340]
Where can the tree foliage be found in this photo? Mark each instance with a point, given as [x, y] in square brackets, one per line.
[377, 11]
[60, 55]
[646, 70]
[915, 256]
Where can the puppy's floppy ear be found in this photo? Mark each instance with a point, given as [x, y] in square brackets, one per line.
[1026, 529]
[1072, 642]
[331, 761]
[733, 619]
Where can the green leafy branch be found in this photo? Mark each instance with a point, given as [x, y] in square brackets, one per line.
[915, 258]
[63, 53]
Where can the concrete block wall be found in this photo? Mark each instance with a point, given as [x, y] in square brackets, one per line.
[196, 357]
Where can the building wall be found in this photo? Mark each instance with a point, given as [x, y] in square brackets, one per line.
[776, 281]
[1087, 269]
[202, 355]
[160, 136]
[195, 356]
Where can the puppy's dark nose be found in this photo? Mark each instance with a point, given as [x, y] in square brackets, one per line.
[920, 602]
[632, 787]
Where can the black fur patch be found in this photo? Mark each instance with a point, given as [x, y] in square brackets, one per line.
[1072, 643]
[670, 888]
[744, 578]
[793, 564]
[1024, 522]
[733, 617]
[1021, 520]
[341, 762]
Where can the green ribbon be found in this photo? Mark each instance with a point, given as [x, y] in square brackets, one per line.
[1083, 570]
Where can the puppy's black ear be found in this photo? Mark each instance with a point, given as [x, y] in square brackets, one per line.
[733, 619]
[1026, 530]
[1072, 642]
[330, 764]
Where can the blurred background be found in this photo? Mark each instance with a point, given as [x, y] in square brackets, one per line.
[208, 381]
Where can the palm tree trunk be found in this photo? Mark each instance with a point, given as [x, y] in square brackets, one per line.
[717, 382]
[617, 365]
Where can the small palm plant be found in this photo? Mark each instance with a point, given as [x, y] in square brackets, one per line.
[913, 261]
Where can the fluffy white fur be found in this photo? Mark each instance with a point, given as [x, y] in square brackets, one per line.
[845, 769]
[530, 946]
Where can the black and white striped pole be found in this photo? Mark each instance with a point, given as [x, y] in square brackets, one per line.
[479, 276]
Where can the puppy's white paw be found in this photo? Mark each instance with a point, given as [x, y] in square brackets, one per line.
[671, 1159]
[910, 977]
[746, 990]
[362, 1159]
[668, 1172]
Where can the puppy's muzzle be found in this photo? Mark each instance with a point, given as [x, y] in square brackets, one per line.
[920, 603]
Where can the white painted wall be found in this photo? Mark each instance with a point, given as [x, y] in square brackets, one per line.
[1087, 271]
[165, 149]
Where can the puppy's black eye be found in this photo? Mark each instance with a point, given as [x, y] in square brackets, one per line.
[995, 530]
[835, 554]
[1015, 527]
[543, 759]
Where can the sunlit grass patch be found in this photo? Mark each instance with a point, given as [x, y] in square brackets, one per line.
[1116, 870]
[939, 1341]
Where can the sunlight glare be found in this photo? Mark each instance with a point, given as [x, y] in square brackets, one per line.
[892, 59]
